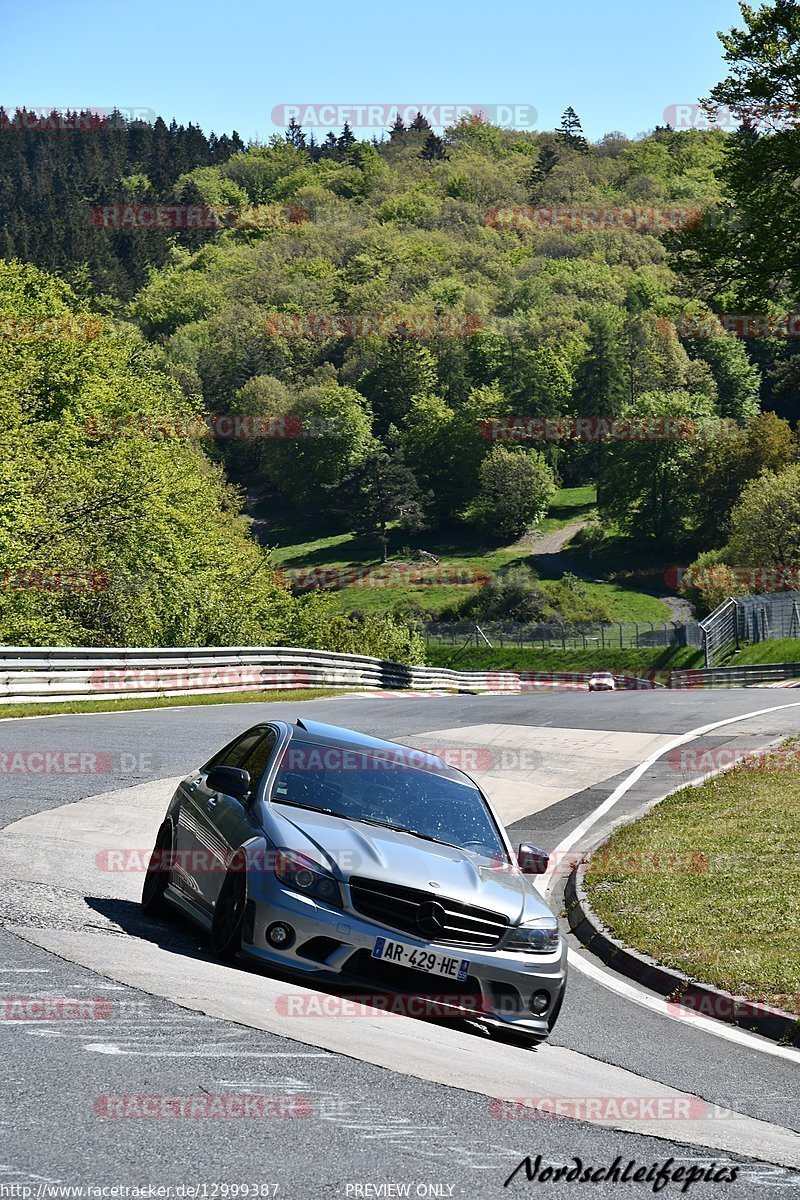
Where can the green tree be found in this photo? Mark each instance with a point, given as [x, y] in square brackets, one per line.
[728, 457]
[647, 481]
[402, 368]
[398, 131]
[381, 490]
[765, 524]
[329, 433]
[570, 131]
[746, 241]
[516, 488]
[602, 381]
[434, 149]
[539, 172]
[737, 379]
[294, 135]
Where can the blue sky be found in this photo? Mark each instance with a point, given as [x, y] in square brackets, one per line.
[619, 63]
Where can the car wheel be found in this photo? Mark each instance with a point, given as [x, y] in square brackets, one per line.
[226, 927]
[154, 901]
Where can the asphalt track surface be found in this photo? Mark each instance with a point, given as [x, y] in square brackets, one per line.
[385, 1105]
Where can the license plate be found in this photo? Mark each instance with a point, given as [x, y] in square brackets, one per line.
[421, 960]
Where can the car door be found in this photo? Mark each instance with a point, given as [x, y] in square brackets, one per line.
[202, 852]
[226, 822]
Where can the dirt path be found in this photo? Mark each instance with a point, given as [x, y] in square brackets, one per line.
[548, 543]
[550, 548]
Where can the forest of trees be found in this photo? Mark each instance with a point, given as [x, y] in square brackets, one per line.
[51, 176]
[390, 326]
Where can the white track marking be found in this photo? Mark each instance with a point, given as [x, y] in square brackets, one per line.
[705, 1024]
[572, 838]
[610, 980]
[232, 1052]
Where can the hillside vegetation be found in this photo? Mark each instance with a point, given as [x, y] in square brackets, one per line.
[398, 349]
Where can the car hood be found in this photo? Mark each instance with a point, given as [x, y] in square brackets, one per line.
[352, 848]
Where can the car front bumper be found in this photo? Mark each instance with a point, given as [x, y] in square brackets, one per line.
[335, 945]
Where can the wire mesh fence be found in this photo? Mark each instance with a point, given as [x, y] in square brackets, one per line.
[772, 615]
[607, 636]
[754, 618]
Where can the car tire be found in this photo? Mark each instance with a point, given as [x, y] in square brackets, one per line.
[228, 920]
[154, 900]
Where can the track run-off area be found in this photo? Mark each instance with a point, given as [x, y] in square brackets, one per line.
[386, 1101]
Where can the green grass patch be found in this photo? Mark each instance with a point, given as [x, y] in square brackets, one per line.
[300, 544]
[515, 658]
[634, 576]
[626, 604]
[736, 924]
[782, 650]
[126, 704]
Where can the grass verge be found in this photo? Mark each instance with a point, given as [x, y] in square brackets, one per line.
[736, 924]
[782, 650]
[62, 707]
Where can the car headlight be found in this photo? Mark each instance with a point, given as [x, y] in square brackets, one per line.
[302, 875]
[536, 937]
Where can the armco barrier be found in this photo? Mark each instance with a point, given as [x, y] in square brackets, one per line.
[78, 673]
[38, 675]
[735, 676]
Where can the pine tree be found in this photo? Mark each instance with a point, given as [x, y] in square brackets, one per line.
[347, 138]
[330, 147]
[420, 124]
[433, 150]
[570, 131]
[380, 490]
[398, 130]
[294, 135]
[540, 170]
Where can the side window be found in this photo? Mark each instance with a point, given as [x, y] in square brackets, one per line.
[258, 758]
[237, 751]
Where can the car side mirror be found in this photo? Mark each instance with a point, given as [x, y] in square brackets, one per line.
[231, 781]
[532, 860]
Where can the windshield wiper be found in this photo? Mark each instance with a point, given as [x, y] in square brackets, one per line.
[308, 807]
[402, 829]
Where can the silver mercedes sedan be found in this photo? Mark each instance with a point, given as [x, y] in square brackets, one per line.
[346, 859]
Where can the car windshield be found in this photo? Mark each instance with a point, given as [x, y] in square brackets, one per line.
[439, 805]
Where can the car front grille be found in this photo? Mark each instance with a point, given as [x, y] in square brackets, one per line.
[409, 910]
